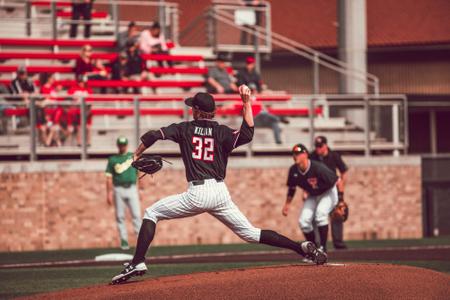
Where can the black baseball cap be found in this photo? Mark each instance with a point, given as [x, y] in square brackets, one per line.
[202, 101]
[320, 141]
[299, 148]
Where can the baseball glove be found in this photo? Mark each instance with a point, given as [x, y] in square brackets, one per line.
[149, 164]
[340, 212]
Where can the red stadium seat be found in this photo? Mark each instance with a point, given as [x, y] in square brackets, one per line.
[95, 14]
[47, 3]
[38, 69]
[59, 42]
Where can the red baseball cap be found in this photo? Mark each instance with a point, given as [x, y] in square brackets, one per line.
[250, 60]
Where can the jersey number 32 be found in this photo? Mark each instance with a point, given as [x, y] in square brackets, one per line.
[203, 148]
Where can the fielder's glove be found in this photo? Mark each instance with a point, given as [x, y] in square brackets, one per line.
[149, 164]
[340, 212]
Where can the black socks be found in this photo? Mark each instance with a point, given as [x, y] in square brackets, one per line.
[272, 238]
[145, 237]
[310, 236]
[323, 232]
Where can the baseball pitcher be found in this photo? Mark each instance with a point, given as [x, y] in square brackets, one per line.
[205, 147]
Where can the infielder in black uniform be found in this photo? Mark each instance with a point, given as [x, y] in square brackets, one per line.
[205, 146]
[334, 162]
[319, 184]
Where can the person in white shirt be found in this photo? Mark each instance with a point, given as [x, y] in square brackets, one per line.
[152, 41]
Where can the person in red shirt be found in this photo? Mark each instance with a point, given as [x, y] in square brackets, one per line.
[77, 92]
[87, 68]
[53, 112]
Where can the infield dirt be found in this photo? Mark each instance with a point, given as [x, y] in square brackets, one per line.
[333, 281]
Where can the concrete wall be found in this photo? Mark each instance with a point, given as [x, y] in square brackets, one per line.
[60, 205]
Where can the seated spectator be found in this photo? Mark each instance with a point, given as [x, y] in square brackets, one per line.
[53, 114]
[74, 117]
[136, 66]
[131, 35]
[152, 41]
[81, 8]
[119, 70]
[219, 81]
[24, 87]
[249, 76]
[88, 68]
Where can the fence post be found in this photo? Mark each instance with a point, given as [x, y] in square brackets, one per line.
[83, 129]
[137, 121]
[28, 16]
[311, 114]
[54, 27]
[316, 91]
[256, 48]
[115, 15]
[367, 127]
[395, 129]
[32, 112]
[162, 17]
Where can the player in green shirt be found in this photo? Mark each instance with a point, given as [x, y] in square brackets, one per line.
[121, 179]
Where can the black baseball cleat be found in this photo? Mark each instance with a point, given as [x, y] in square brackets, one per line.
[313, 253]
[130, 270]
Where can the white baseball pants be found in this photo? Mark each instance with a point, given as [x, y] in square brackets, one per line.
[211, 197]
[317, 208]
[127, 197]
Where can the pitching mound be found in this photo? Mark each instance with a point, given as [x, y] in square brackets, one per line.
[335, 281]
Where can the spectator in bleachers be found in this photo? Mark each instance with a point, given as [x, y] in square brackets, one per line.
[119, 70]
[54, 112]
[152, 41]
[249, 76]
[219, 81]
[81, 8]
[24, 88]
[136, 66]
[79, 91]
[22, 85]
[125, 37]
[87, 68]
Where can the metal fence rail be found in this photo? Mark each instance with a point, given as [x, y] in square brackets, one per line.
[394, 137]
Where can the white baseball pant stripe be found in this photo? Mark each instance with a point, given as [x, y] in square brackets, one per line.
[211, 197]
[127, 197]
[317, 209]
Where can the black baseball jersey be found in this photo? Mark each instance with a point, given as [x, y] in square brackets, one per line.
[317, 179]
[333, 161]
[205, 146]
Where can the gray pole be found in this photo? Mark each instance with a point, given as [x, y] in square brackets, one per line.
[316, 91]
[162, 16]
[367, 127]
[257, 54]
[137, 121]
[32, 111]
[115, 15]
[54, 27]
[28, 16]
[83, 129]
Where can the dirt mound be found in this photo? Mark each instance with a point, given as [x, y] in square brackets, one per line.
[334, 281]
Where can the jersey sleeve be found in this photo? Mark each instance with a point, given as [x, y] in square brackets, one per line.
[291, 179]
[171, 132]
[109, 168]
[235, 138]
[342, 167]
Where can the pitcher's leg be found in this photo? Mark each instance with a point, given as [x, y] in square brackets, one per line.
[172, 207]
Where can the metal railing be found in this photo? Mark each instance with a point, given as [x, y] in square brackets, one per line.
[166, 12]
[328, 119]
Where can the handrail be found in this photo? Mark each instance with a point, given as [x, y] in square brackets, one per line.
[305, 51]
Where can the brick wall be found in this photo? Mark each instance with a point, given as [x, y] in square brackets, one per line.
[57, 206]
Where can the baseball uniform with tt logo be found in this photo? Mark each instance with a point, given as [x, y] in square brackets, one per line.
[205, 147]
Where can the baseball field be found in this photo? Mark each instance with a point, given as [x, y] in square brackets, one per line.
[415, 269]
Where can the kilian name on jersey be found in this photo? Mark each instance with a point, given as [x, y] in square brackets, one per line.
[203, 131]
